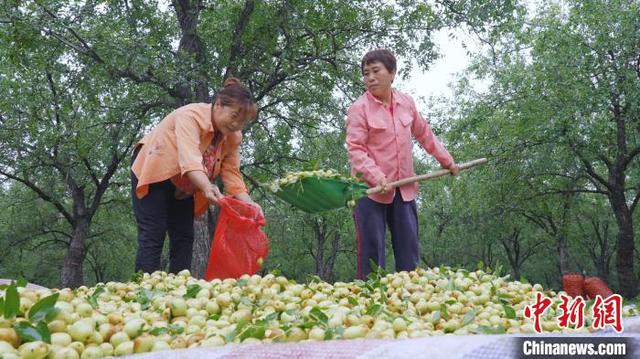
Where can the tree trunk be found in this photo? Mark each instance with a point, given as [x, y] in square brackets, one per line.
[203, 228]
[320, 234]
[626, 246]
[188, 13]
[511, 247]
[604, 257]
[72, 275]
[329, 275]
[563, 254]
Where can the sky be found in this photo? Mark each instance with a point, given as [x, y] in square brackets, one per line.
[437, 80]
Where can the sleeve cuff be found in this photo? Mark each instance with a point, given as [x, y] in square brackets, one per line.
[192, 167]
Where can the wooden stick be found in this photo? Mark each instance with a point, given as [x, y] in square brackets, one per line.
[424, 177]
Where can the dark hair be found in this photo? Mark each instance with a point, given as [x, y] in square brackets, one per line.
[383, 55]
[234, 93]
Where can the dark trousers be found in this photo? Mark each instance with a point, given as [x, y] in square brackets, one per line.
[371, 219]
[156, 214]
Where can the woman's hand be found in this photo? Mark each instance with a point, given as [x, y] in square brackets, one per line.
[454, 169]
[213, 194]
[208, 189]
[244, 197]
[383, 185]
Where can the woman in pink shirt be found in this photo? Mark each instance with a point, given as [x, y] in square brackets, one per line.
[173, 169]
[380, 126]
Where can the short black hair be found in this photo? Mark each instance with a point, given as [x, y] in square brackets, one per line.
[383, 55]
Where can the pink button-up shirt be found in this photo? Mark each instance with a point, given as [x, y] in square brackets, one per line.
[379, 142]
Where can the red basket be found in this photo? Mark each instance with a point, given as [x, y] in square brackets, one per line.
[573, 284]
[594, 286]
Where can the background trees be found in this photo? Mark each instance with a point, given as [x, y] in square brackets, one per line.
[559, 123]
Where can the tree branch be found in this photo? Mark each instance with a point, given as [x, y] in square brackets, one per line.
[42, 194]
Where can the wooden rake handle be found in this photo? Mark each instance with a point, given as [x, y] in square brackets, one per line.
[424, 177]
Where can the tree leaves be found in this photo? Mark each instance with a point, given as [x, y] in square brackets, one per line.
[192, 291]
[44, 309]
[11, 301]
[30, 333]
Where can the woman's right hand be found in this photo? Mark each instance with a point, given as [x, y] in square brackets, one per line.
[208, 189]
[383, 185]
[213, 194]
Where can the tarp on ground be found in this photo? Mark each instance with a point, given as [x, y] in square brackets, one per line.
[29, 285]
[435, 347]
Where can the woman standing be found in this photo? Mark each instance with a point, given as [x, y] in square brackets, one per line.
[173, 169]
[380, 127]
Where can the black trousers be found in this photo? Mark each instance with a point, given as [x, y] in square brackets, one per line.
[371, 218]
[156, 214]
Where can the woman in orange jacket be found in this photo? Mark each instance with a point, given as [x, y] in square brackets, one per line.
[173, 169]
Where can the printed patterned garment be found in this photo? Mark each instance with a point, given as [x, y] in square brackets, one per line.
[184, 185]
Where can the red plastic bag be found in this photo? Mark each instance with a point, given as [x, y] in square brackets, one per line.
[239, 245]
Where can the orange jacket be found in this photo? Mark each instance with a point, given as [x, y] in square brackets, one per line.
[176, 145]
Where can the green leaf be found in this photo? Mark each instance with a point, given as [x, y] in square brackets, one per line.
[52, 314]
[175, 329]
[27, 332]
[491, 330]
[318, 315]
[137, 277]
[41, 309]
[311, 165]
[192, 291]
[238, 329]
[43, 330]
[332, 333]
[276, 272]
[271, 316]
[509, 311]
[246, 301]
[11, 301]
[93, 298]
[144, 297]
[374, 310]
[498, 270]
[2, 306]
[308, 324]
[253, 331]
[376, 270]
[450, 301]
[21, 282]
[468, 318]
[353, 301]
[443, 310]
[523, 280]
[159, 331]
[443, 270]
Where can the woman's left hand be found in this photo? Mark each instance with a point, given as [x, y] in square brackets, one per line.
[244, 197]
[257, 206]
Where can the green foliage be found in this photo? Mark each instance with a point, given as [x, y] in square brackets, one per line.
[83, 81]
